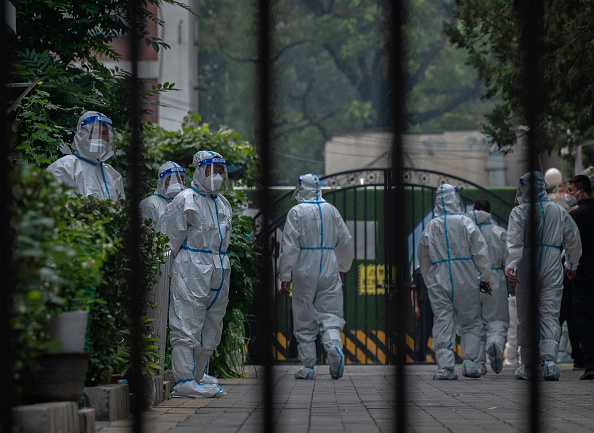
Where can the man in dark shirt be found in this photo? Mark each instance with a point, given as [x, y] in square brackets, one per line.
[423, 316]
[579, 190]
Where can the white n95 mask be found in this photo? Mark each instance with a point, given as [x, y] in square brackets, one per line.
[174, 189]
[216, 181]
[98, 148]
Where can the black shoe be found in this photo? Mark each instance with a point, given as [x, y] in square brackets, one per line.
[579, 365]
[588, 374]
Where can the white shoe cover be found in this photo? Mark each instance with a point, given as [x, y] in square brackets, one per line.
[523, 372]
[206, 378]
[305, 373]
[482, 368]
[551, 371]
[470, 369]
[192, 389]
[495, 357]
[445, 374]
[336, 361]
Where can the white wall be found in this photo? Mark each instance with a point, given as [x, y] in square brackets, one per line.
[460, 153]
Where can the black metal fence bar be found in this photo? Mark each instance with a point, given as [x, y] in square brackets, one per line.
[397, 263]
[264, 297]
[7, 291]
[531, 18]
[136, 277]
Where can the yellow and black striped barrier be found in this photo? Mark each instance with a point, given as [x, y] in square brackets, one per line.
[360, 347]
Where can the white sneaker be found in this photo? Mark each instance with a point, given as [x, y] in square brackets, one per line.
[445, 374]
[206, 378]
[495, 357]
[305, 373]
[336, 361]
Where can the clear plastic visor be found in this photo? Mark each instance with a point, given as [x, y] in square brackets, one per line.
[215, 173]
[175, 178]
[100, 128]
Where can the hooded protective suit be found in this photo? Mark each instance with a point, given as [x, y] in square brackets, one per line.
[85, 170]
[198, 224]
[316, 246]
[154, 206]
[453, 255]
[494, 307]
[554, 229]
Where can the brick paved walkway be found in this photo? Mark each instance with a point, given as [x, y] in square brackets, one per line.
[363, 401]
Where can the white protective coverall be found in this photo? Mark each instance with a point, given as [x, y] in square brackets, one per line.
[85, 170]
[154, 206]
[453, 255]
[494, 308]
[198, 224]
[555, 228]
[316, 246]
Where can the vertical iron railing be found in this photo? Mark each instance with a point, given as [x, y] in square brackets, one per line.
[264, 296]
[136, 276]
[396, 265]
[7, 291]
[530, 43]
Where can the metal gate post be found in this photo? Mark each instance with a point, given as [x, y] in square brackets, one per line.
[264, 296]
[396, 265]
[530, 40]
[136, 276]
[6, 297]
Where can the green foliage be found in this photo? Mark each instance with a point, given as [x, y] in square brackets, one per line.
[110, 318]
[82, 29]
[150, 352]
[46, 118]
[58, 260]
[489, 32]
[181, 146]
[70, 254]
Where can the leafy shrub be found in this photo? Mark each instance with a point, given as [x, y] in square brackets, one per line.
[58, 260]
[70, 254]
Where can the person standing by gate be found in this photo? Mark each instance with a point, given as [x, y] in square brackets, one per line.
[316, 251]
[450, 250]
[579, 189]
[553, 228]
[494, 308]
[423, 315]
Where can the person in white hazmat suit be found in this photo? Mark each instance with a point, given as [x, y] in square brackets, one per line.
[171, 182]
[316, 251]
[494, 307]
[198, 224]
[85, 169]
[555, 228]
[454, 259]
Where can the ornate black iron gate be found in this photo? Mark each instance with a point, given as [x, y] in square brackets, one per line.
[359, 196]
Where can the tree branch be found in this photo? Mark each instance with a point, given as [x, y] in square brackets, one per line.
[465, 95]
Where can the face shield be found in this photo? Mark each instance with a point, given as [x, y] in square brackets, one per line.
[211, 172]
[172, 179]
[94, 137]
[520, 192]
